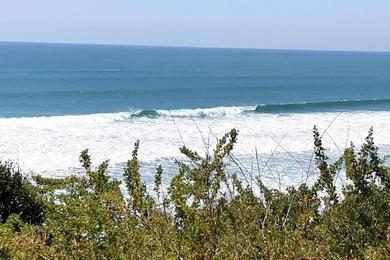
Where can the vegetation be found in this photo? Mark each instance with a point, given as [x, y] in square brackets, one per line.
[205, 212]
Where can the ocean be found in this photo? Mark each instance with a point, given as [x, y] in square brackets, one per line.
[58, 99]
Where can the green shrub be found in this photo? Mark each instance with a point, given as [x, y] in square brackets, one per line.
[206, 211]
[15, 197]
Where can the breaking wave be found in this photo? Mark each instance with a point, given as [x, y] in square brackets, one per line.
[303, 107]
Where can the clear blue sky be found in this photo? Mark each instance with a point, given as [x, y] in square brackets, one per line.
[291, 24]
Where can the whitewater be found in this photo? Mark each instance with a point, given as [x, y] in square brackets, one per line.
[50, 146]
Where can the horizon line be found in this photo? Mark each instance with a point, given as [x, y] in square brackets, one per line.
[195, 47]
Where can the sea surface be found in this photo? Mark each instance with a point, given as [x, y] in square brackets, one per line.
[58, 99]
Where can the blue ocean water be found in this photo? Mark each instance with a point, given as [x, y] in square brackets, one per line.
[59, 99]
[39, 79]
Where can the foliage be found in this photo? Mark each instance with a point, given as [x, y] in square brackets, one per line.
[15, 197]
[205, 212]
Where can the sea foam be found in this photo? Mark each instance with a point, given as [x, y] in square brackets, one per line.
[197, 112]
[51, 145]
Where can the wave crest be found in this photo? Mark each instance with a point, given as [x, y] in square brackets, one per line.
[304, 107]
[198, 112]
[326, 106]
[145, 113]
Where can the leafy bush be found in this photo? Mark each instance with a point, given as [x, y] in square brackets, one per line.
[206, 212]
[15, 197]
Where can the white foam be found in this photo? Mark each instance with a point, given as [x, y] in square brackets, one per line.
[205, 112]
[51, 145]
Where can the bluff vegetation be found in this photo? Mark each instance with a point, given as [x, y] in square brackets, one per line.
[206, 212]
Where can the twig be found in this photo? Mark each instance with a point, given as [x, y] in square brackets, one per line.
[312, 155]
[292, 156]
[174, 122]
[201, 135]
[272, 153]
[345, 147]
[337, 147]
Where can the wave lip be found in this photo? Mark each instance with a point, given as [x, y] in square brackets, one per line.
[325, 106]
[303, 107]
[145, 113]
[198, 112]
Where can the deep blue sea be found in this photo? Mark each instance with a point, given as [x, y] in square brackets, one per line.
[57, 99]
[61, 79]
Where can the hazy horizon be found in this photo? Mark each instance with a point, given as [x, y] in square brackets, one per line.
[350, 25]
[195, 47]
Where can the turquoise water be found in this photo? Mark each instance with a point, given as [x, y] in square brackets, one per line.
[57, 100]
[59, 79]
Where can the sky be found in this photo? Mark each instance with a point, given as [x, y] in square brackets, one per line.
[358, 25]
